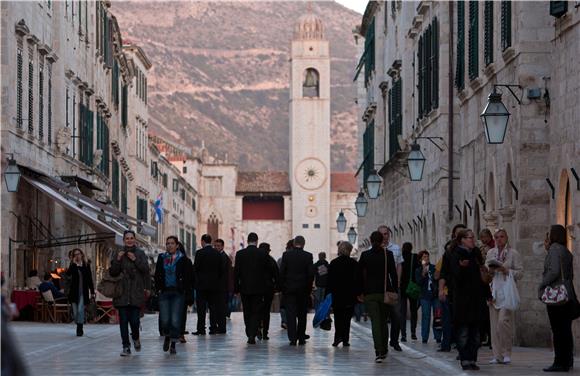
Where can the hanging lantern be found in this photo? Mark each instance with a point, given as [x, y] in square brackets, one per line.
[361, 204]
[495, 119]
[352, 235]
[374, 182]
[12, 176]
[416, 163]
[341, 222]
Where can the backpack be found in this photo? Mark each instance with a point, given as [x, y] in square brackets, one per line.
[110, 286]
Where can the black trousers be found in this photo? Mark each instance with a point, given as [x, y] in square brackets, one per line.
[342, 317]
[253, 307]
[218, 319]
[268, 297]
[205, 300]
[183, 319]
[394, 313]
[413, 306]
[561, 324]
[296, 310]
[467, 337]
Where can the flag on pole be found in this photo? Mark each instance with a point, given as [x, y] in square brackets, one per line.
[158, 204]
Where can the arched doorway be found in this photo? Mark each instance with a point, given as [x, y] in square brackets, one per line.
[213, 226]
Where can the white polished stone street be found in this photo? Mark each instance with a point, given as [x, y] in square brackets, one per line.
[53, 349]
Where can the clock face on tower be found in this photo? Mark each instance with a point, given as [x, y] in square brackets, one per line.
[310, 173]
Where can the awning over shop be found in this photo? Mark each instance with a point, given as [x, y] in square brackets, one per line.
[83, 208]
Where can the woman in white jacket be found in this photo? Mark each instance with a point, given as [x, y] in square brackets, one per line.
[504, 261]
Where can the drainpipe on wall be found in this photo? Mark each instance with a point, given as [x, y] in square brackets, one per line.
[450, 119]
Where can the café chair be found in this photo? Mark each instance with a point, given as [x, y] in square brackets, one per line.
[56, 311]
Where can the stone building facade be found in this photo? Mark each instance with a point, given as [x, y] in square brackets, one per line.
[428, 69]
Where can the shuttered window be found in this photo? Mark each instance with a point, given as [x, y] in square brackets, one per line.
[49, 119]
[30, 89]
[86, 135]
[395, 116]
[488, 33]
[369, 53]
[103, 143]
[473, 54]
[142, 209]
[368, 150]
[115, 183]
[115, 83]
[460, 64]
[124, 193]
[428, 72]
[124, 105]
[506, 25]
[41, 101]
[19, 63]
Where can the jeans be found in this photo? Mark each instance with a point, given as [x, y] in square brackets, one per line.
[319, 295]
[377, 310]
[446, 321]
[467, 337]
[129, 315]
[296, 310]
[359, 310]
[171, 305]
[79, 311]
[427, 306]
[413, 311]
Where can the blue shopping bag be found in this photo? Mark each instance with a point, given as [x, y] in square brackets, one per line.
[323, 311]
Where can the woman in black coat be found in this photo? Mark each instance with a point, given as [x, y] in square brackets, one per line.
[81, 284]
[342, 274]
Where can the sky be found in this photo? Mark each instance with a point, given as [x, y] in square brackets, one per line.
[356, 5]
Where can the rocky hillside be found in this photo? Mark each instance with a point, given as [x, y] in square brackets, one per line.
[221, 71]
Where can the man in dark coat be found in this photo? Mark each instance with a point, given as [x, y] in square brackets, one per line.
[271, 287]
[296, 277]
[222, 298]
[208, 269]
[251, 271]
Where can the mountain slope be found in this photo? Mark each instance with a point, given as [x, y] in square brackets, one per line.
[221, 71]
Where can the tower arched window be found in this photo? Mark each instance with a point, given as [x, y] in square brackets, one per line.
[311, 83]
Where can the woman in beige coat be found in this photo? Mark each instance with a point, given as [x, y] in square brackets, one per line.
[503, 260]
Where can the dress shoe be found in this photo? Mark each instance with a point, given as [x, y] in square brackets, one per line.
[403, 339]
[474, 367]
[198, 333]
[302, 342]
[413, 337]
[345, 344]
[292, 343]
[396, 346]
[166, 344]
[555, 368]
[251, 341]
[335, 344]
[306, 336]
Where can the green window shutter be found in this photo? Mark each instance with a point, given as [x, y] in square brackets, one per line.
[473, 67]
[19, 90]
[115, 183]
[421, 73]
[49, 120]
[82, 131]
[395, 117]
[90, 137]
[435, 52]
[506, 25]
[460, 64]
[369, 51]
[30, 93]
[428, 45]
[106, 149]
[125, 97]
[41, 102]
[124, 194]
[368, 148]
[164, 180]
[488, 32]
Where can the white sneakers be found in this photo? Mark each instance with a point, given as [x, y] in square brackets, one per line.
[506, 360]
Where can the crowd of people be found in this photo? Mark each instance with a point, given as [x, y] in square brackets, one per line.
[464, 297]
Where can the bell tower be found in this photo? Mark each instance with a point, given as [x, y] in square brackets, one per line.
[310, 133]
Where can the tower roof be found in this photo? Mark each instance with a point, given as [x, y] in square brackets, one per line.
[309, 27]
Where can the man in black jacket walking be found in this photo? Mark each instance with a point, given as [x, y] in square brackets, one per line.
[208, 268]
[296, 277]
[251, 271]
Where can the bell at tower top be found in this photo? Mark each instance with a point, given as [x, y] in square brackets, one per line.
[309, 27]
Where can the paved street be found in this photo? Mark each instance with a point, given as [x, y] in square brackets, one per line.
[53, 349]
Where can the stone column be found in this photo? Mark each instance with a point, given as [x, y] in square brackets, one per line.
[507, 217]
[491, 220]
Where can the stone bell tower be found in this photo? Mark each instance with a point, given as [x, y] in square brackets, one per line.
[310, 133]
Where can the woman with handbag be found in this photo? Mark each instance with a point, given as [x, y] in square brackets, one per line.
[131, 264]
[425, 275]
[342, 273]
[81, 289]
[505, 262]
[464, 270]
[557, 293]
[173, 281]
[379, 285]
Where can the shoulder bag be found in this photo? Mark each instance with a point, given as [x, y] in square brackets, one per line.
[557, 295]
[110, 286]
[389, 298]
[413, 290]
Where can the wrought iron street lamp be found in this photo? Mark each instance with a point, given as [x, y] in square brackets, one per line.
[361, 204]
[374, 182]
[351, 235]
[495, 115]
[341, 222]
[12, 175]
[416, 163]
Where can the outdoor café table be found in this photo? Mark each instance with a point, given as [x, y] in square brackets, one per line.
[23, 298]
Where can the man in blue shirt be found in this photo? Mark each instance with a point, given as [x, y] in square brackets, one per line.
[47, 285]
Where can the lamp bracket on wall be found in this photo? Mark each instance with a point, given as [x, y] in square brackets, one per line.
[433, 142]
[401, 229]
[469, 206]
[552, 188]
[420, 221]
[458, 210]
[510, 88]
[482, 201]
[576, 177]
[410, 227]
[515, 189]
